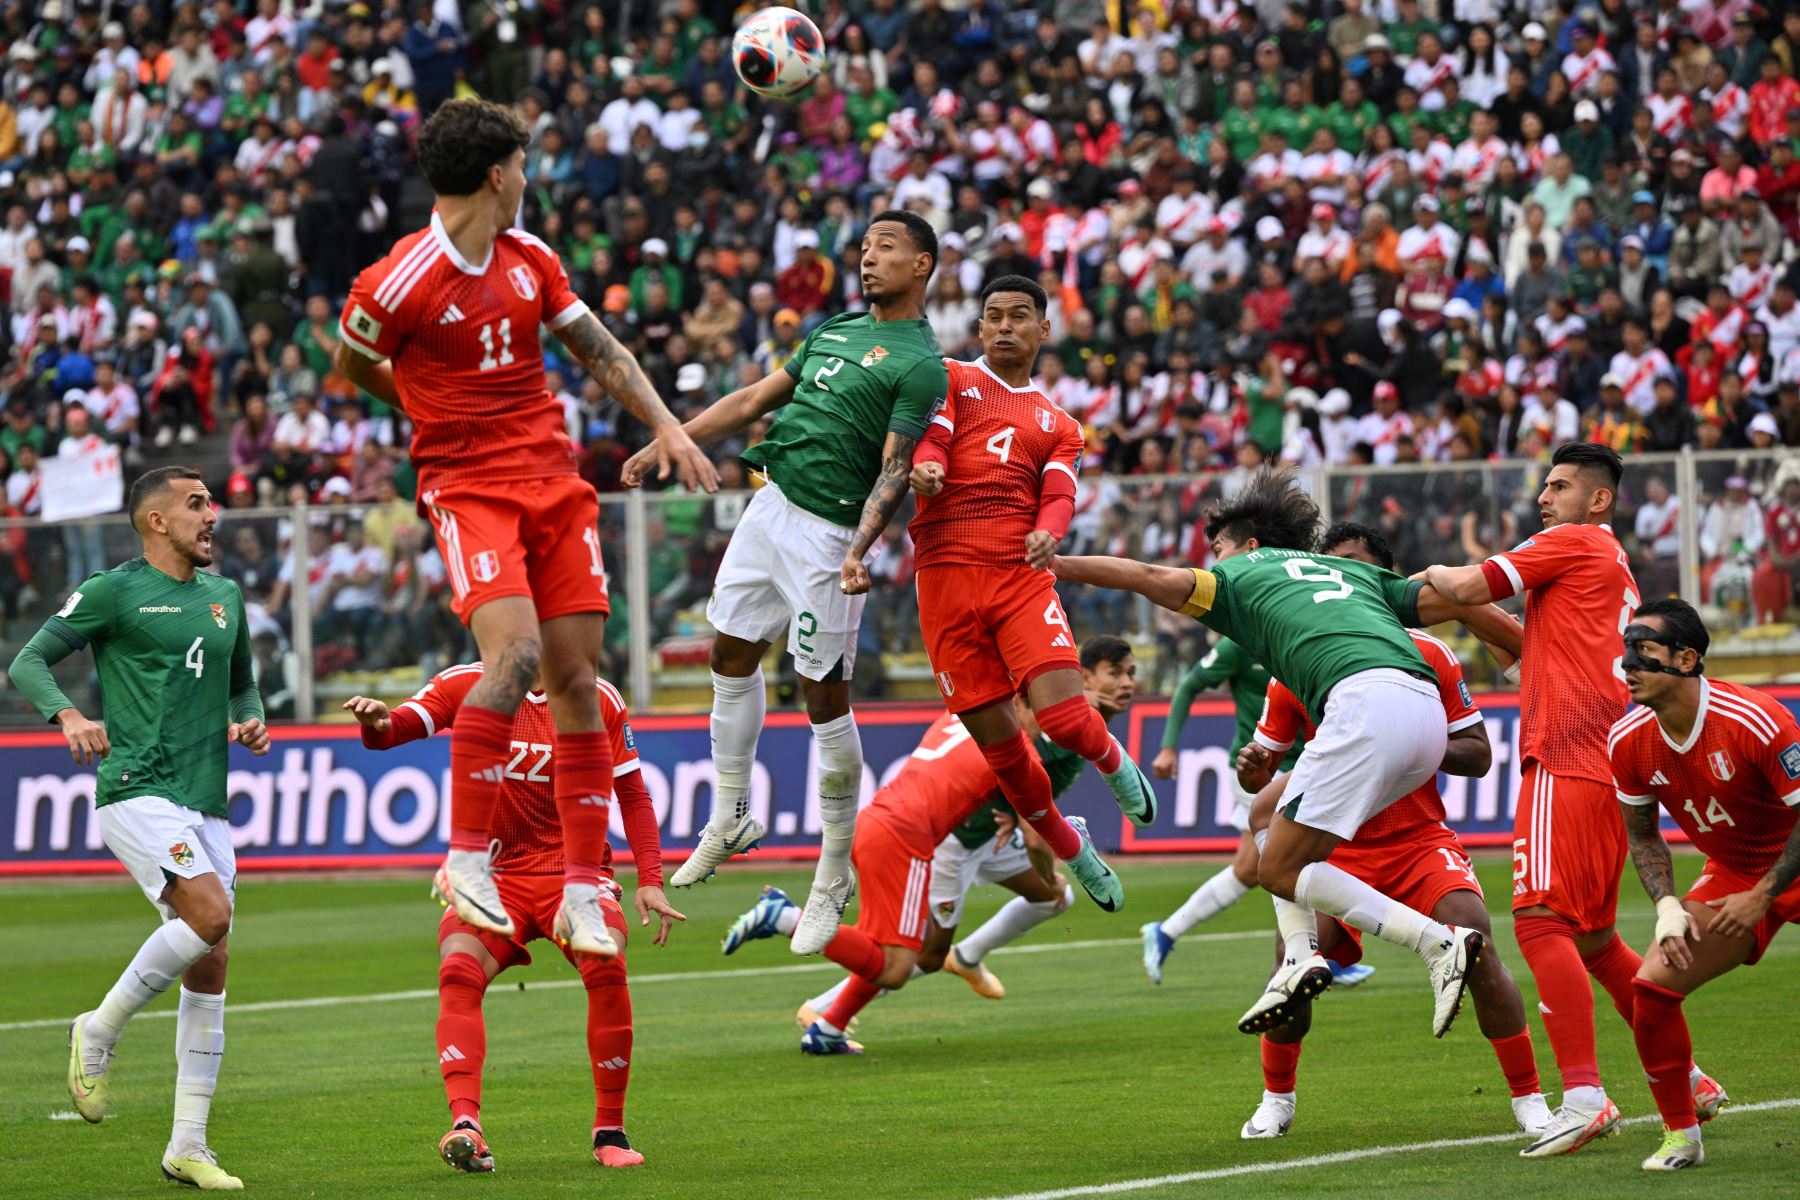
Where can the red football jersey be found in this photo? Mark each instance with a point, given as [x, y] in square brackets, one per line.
[1579, 597]
[944, 781]
[525, 819]
[467, 360]
[1732, 786]
[1284, 720]
[1003, 441]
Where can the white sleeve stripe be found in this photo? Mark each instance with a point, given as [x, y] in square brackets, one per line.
[576, 310]
[430, 725]
[1268, 743]
[1468, 722]
[361, 347]
[1063, 467]
[1640, 801]
[946, 422]
[1512, 574]
[625, 768]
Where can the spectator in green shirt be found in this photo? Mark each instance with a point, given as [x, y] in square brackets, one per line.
[1588, 143]
[1403, 34]
[866, 104]
[655, 266]
[1591, 275]
[1296, 118]
[1245, 122]
[1451, 122]
[1406, 114]
[1351, 116]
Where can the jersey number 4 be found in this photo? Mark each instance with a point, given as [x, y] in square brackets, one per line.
[196, 658]
[1000, 445]
[488, 359]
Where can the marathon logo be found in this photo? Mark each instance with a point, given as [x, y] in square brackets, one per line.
[156, 608]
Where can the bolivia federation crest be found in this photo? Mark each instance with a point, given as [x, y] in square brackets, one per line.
[1722, 767]
[181, 854]
[874, 357]
[218, 615]
[523, 282]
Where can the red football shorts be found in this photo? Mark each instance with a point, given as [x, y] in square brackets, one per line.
[1418, 872]
[1568, 848]
[1718, 881]
[991, 630]
[892, 883]
[533, 537]
[532, 901]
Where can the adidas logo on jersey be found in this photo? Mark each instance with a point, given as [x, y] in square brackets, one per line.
[1062, 639]
[493, 774]
[451, 316]
[1659, 780]
[970, 393]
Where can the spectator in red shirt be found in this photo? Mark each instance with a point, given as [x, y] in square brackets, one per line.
[1779, 182]
[313, 67]
[1770, 101]
[1270, 299]
[806, 284]
[1702, 374]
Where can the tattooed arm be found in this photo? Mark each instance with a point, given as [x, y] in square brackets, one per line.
[890, 488]
[618, 372]
[1649, 852]
[1740, 913]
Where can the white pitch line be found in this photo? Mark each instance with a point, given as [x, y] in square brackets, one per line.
[1330, 1160]
[237, 1010]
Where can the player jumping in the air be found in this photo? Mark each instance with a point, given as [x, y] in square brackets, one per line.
[445, 328]
[1724, 760]
[1225, 665]
[996, 481]
[531, 863]
[981, 851]
[172, 648]
[857, 397]
[1407, 852]
[1568, 842]
[1335, 632]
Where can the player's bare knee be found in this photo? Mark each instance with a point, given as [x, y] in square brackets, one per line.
[824, 702]
[896, 974]
[932, 961]
[1277, 878]
[734, 658]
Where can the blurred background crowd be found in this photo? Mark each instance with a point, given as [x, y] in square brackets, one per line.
[1349, 235]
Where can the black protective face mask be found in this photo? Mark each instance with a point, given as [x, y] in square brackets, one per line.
[1633, 661]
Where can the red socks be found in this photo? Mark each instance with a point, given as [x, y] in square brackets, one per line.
[1616, 965]
[1517, 1062]
[1074, 725]
[1280, 1064]
[1027, 788]
[461, 1036]
[583, 775]
[856, 995]
[608, 1037]
[1666, 1051]
[856, 952]
[480, 744]
[1565, 997]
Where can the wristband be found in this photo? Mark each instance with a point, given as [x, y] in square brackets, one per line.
[1671, 919]
[1511, 673]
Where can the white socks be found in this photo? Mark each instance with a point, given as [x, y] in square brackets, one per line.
[1341, 894]
[787, 920]
[1592, 1099]
[1016, 918]
[163, 958]
[823, 1000]
[1298, 927]
[1208, 901]
[840, 791]
[199, 1045]
[739, 706]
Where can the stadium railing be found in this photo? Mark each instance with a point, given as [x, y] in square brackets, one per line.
[379, 623]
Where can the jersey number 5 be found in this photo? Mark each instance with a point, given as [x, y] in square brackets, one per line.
[488, 359]
[1306, 570]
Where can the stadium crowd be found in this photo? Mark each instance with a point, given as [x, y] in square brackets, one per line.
[1331, 233]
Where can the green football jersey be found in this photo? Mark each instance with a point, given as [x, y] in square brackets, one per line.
[1227, 666]
[1064, 768]
[855, 379]
[174, 665]
[1310, 619]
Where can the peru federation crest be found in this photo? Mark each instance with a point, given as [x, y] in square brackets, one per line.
[523, 282]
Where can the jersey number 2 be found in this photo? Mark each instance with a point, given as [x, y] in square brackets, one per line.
[486, 336]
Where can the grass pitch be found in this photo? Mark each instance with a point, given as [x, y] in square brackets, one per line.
[1084, 1076]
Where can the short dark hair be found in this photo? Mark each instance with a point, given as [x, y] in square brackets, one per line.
[1104, 648]
[152, 484]
[1680, 621]
[1040, 300]
[1272, 509]
[918, 230]
[1355, 531]
[463, 139]
[1592, 456]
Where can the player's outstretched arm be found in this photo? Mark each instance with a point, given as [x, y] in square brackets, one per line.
[721, 419]
[1499, 630]
[884, 498]
[1169, 587]
[1457, 585]
[595, 348]
[372, 376]
[30, 673]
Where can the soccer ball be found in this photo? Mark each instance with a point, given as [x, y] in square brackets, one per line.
[778, 52]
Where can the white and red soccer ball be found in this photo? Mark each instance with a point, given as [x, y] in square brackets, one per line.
[778, 52]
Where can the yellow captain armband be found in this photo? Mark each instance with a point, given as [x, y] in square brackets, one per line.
[1206, 590]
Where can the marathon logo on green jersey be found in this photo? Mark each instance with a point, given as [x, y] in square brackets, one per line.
[159, 608]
